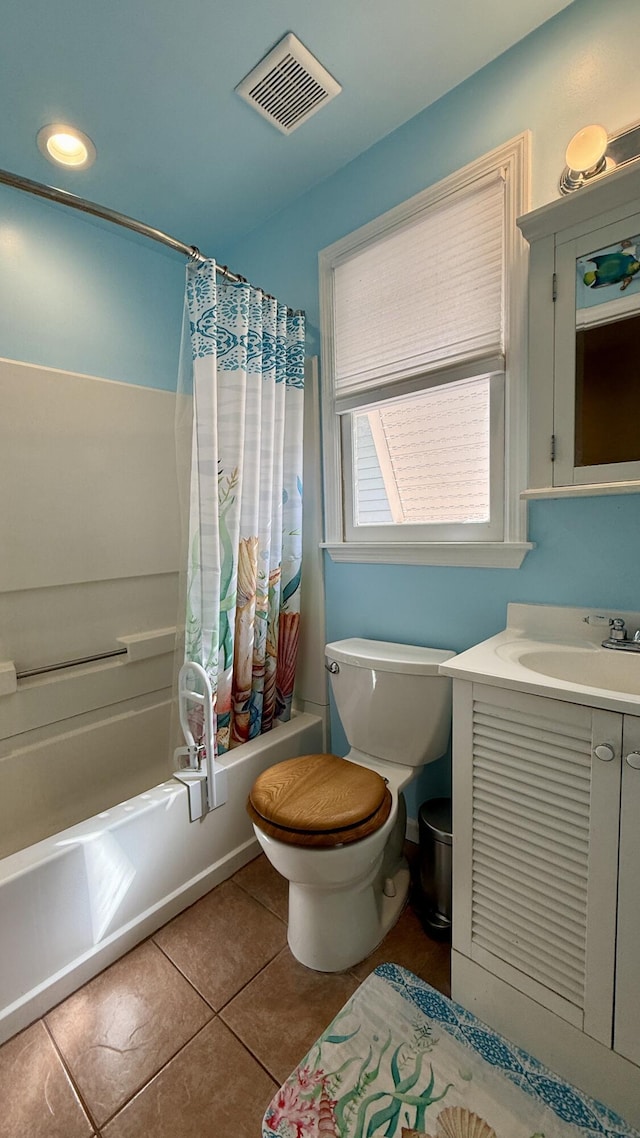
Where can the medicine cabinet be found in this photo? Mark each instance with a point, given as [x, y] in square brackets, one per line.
[584, 340]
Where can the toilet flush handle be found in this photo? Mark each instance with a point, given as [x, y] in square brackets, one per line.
[332, 667]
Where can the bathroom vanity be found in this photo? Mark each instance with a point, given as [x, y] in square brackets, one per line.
[546, 860]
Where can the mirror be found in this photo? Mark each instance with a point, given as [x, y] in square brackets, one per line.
[607, 391]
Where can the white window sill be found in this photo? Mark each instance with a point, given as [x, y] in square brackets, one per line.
[584, 490]
[474, 554]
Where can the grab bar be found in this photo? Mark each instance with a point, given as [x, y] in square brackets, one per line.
[205, 780]
[140, 646]
[28, 672]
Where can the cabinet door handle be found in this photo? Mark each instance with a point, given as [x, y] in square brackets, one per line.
[633, 759]
[605, 752]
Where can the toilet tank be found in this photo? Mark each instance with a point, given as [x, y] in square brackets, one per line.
[391, 700]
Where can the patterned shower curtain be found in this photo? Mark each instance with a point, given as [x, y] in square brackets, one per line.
[245, 522]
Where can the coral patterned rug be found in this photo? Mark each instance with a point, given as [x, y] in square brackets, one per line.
[402, 1061]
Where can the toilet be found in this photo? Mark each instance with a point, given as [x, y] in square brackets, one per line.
[334, 827]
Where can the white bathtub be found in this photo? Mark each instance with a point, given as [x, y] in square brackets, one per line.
[73, 903]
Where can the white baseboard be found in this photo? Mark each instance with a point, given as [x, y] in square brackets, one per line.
[322, 711]
[412, 832]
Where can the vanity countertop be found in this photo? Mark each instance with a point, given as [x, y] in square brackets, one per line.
[557, 651]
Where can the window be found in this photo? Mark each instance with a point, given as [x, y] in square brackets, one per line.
[423, 375]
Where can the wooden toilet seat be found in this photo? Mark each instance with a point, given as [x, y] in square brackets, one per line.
[319, 800]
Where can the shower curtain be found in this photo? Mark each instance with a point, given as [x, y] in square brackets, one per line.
[245, 515]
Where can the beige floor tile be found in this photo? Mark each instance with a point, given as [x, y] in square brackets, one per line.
[36, 1098]
[222, 941]
[263, 882]
[408, 945]
[117, 1031]
[212, 1089]
[280, 1013]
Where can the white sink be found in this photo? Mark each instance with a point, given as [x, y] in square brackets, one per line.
[588, 667]
[557, 651]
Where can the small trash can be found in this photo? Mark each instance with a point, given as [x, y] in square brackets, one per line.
[434, 821]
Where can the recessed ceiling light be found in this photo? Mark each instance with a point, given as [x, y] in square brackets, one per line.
[66, 146]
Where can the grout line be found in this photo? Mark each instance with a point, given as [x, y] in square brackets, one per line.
[216, 1011]
[254, 898]
[252, 978]
[155, 1075]
[248, 891]
[180, 970]
[245, 1047]
[190, 982]
[67, 1069]
[140, 1088]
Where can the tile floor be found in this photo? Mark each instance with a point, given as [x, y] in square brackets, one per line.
[192, 1032]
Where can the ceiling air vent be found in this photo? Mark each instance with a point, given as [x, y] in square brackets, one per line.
[289, 85]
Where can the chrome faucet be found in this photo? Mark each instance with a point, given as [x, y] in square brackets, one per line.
[618, 637]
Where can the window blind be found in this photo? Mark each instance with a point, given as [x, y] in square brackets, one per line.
[427, 295]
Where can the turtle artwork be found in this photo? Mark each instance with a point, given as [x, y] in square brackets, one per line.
[613, 267]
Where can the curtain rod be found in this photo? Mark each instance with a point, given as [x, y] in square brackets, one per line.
[63, 197]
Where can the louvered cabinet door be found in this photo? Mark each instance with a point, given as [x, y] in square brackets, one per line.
[535, 859]
[627, 1029]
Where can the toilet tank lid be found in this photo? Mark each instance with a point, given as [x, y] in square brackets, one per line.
[407, 659]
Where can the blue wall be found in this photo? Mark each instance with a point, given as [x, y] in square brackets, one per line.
[587, 551]
[84, 296]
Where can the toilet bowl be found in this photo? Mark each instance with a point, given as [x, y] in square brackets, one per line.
[333, 827]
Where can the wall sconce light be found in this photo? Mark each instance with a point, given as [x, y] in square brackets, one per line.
[591, 152]
[586, 157]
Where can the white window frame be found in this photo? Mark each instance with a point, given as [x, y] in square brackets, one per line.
[512, 161]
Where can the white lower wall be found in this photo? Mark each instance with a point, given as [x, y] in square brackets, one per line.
[92, 763]
[45, 625]
[89, 504]
[88, 477]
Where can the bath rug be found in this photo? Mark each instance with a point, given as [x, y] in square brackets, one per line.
[402, 1061]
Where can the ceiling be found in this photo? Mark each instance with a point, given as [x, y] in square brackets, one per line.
[152, 83]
